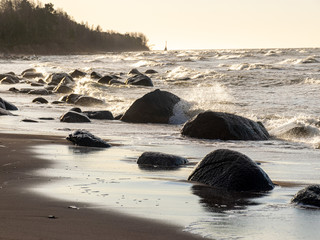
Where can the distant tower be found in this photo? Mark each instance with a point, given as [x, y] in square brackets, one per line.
[165, 48]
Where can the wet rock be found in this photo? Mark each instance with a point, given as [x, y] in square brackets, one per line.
[31, 70]
[85, 138]
[39, 92]
[71, 98]
[74, 117]
[33, 84]
[295, 130]
[309, 196]
[224, 126]
[140, 80]
[57, 102]
[13, 89]
[105, 79]
[154, 107]
[10, 78]
[161, 159]
[78, 74]
[7, 80]
[88, 101]
[31, 75]
[4, 112]
[116, 82]
[29, 121]
[7, 105]
[55, 78]
[95, 75]
[41, 81]
[135, 72]
[40, 100]
[150, 71]
[76, 109]
[100, 115]
[62, 89]
[231, 171]
[46, 118]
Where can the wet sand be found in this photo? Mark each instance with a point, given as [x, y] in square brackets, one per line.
[26, 215]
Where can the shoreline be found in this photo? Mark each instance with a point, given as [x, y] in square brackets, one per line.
[26, 215]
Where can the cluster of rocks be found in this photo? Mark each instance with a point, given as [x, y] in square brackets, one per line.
[222, 169]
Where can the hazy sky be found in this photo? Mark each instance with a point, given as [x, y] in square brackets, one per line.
[205, 24]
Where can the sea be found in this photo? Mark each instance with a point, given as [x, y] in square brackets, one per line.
[278, 87]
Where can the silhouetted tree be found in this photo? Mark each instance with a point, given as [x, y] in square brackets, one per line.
[29, 28]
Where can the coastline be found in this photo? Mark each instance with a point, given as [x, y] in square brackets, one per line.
[25, 215]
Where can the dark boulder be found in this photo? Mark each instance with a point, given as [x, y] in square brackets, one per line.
[224, 126]
[231, 171]
[31, 75]
[95, 75]
[9, 78]
[85, 138]
[55, 78]
[39, 92]
[88, 101]
[7, 106]
[309, 196]
[161, 159]
[100, 115]
[71, 98]
[77, 74]
[40, 100]
[139, 80]
[13, 89]
[135, 72]
[74, 117]
[105, 79]
[150, 71]
[62, 89]
[76, 109]
[31, 70]
[154, 107]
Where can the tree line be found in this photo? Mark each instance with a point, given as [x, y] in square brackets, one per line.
[29, 28]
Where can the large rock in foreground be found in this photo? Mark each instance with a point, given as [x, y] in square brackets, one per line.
[154, 107]
[231, 171]
[224, 126]
[85, 138]
[161, 159]
[309, 196]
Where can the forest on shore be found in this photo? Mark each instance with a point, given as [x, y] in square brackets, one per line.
[29, 28]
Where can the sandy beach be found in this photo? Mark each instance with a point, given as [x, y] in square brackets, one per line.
[25, 215]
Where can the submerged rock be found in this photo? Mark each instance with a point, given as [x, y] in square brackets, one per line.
[71, 98]
[31, 75]
[154, 107]
[40, 100]
[232, 171]
[4, 112]
[140, 80]
[77, 74]
[74, 117]
[39, 92]
[85, 138]
[161, 159]
[95, 75]
[105, 79]
[135, 71]
[309, 196]
[88, 101]
[150, 71]
[100, 115]
[224, 126]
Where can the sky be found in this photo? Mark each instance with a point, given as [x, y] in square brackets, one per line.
[205, 24]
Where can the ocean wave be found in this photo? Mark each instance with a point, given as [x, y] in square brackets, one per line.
[145, 63]
[254, 66]
[183, 73]
[311, 81]
[307, 60]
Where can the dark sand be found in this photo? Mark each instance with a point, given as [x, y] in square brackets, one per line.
[25, 215]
